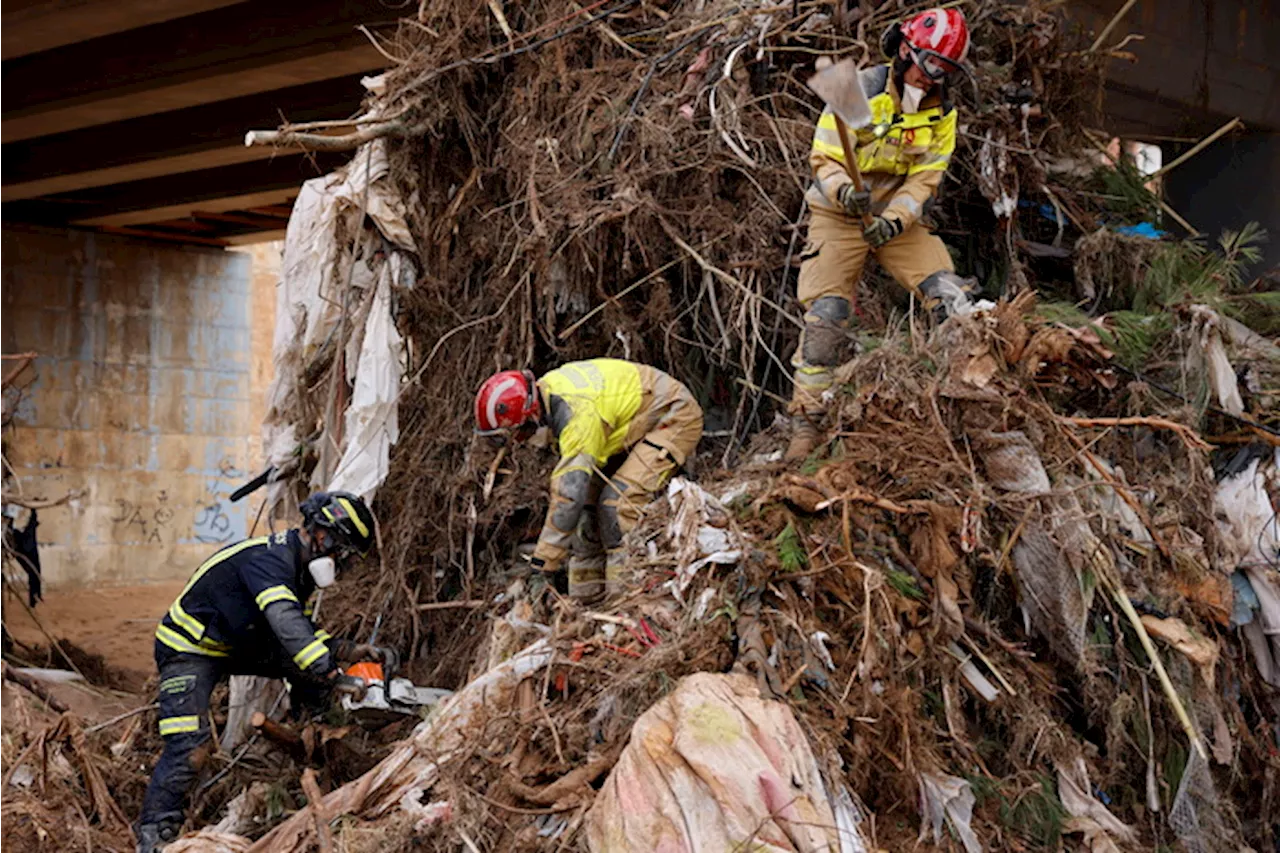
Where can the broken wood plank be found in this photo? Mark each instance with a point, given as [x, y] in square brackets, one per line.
[279, 734]
[324, 838]
[34, 686]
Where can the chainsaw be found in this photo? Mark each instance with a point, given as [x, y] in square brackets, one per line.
[387, 700]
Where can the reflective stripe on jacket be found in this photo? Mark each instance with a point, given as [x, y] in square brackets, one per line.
[246, 594]
[596, 410]
[902, 158]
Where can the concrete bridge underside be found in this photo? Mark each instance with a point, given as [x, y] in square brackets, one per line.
[129, 115]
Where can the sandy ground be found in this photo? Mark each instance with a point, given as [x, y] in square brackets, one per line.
[117, 622]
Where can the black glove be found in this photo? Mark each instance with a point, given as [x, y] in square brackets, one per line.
[387, 656]
[855, 201]
[390, 661]
[348, 685]
[881, 230]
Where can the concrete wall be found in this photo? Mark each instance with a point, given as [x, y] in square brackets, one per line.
[142, 398]
[1199, 62]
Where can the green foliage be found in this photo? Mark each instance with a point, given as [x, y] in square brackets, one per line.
[1188, 271]
[1036, 816]
[1133, 335]
[1126, 192]
[905, 584]
[278, 801]
[1173, 766]
[933, 705]
[1182, 272]
[1066, 313]
[791, 552]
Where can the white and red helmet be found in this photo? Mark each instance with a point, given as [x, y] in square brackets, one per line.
[938, 41]
[508, 402]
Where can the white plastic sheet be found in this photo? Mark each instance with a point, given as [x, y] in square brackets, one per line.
[949, 798]
[372, 422]
[332, 259]
[696, 540]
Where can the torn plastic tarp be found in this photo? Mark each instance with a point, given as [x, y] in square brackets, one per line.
[1101, 829]
[949, 798]
[1244, 516]
[329, 248]
[713, 766]
[1211, 354]
[700, 533]
[372, 422]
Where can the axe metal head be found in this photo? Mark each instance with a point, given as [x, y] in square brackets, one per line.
[839, 87]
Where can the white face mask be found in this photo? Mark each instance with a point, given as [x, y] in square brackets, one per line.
[323, 570]
[911, 98]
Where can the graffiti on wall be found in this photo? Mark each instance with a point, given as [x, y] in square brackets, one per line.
[214, 521]
[213, 524]
[159, 521]
[144, 523]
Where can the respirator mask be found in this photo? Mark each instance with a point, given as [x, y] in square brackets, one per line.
[323, 571]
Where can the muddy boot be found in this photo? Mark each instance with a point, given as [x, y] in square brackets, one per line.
[586, 579]
[804, 438]
[154, 837]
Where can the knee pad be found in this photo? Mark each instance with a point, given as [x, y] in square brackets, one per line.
[610, 522]
[946, 294]
[618, 514]
[825, 335]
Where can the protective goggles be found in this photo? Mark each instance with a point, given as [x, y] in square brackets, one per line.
[499, 437]
[934, 65]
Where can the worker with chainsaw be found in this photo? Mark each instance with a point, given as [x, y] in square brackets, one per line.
[247, 611]
[621, 430]
[902, 151]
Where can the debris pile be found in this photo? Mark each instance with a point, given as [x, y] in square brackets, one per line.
[968, 617]
[1024, 591]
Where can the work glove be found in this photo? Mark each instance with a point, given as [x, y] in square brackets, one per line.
[881, 230]
[855, 201]
[387, 656]
[347, 685]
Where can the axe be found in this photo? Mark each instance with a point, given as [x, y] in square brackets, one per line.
[840, 89]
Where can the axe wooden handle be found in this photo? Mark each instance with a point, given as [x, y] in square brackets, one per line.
[851, 164]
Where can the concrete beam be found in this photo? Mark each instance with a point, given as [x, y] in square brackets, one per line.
[30, 26]
[238, 50]
[174, 196]
[1198, 59]
[282, 196]
[147, 147]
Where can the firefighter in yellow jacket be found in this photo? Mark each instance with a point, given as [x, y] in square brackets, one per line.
[902, 155]
[621, 428]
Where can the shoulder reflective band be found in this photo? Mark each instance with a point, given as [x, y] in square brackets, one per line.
[188, 623]
[272, 594]
[179, 725]
[310, 653]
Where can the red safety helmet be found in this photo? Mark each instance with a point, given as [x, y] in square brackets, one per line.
[508, 401]
[938, 41]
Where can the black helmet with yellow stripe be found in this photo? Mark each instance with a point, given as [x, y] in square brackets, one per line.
[344, 515]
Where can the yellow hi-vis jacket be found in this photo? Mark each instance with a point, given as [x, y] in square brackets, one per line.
[596, 410]
[902, 158]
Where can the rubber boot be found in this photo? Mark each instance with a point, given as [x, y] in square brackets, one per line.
[804, 438]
